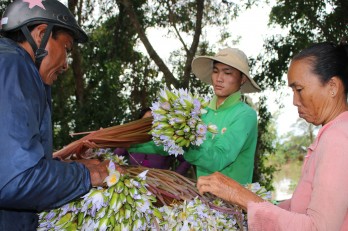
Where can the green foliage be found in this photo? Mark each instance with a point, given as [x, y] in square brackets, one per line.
[118, 82]
[312, 20]
[3, 5]
[293, 145]
[306, 22]
[165, 13]
[289, 152]
[265, 147]
[63, 104]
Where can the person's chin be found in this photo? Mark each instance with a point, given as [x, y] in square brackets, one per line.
[306, 118]
[49, 81]
[218, 91]
[53, 79]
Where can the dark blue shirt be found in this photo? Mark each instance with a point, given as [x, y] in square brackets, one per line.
[30, 180]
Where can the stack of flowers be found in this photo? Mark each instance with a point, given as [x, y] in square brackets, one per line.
[130, 202]
[177, 120]
[196, 215]
[125, 204]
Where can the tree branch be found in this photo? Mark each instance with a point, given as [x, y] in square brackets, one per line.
[195, 42]
[172, 22]
[169, 77]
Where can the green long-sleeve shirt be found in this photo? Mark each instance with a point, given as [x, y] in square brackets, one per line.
[231, 151]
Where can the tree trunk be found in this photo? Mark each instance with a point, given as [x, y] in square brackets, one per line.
[76, 64]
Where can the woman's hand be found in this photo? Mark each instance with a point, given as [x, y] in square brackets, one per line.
[227, 189]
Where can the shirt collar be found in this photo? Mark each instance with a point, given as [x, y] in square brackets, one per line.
[228, 102]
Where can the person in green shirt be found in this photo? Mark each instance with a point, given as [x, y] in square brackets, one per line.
[231, 151]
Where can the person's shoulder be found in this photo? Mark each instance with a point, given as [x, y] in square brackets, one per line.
[246, 108]
[336, 128]
[10, 51]
[8, 46]
[340, 124]
[14, 59]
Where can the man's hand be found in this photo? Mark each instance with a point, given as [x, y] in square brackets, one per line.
[98, 170]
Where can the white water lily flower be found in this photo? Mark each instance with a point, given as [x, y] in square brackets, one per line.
[166, 106]
[88, 224]
[112, 179]
[142, 205]
[142, 175]
[108, 154]
[93, 201]
[103, 224]
[135, 183]
[113, 176]
[163, 94]
[139, 225]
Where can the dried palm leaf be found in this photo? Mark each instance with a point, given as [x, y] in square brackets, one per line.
[121, 136]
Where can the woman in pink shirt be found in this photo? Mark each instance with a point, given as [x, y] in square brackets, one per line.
[318, 76]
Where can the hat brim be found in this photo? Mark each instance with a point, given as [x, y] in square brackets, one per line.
[202, 68]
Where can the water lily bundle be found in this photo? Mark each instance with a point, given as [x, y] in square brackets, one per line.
[196, 215]
[125, 205]
[116, 136]
[259, 190]
[168, 186]
[146, 199]
[177, 120]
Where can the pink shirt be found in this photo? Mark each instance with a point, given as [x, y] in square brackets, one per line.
[320, 200]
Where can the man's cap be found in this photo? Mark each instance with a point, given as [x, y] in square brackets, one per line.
[32, 12]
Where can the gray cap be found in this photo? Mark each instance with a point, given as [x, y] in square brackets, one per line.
[32, 12]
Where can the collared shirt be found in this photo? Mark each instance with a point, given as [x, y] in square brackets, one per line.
[232, 150]
[320, 200]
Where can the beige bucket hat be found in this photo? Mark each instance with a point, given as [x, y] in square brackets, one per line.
[202, 67]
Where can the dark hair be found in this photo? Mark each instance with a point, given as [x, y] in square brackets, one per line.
[327, 60]
[241, 73]
[19, 37]
[143, 111]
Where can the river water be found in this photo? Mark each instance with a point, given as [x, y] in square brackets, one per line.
[282, 190]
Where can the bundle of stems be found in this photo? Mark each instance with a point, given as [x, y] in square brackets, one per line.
[121, 136]
[170, 187]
